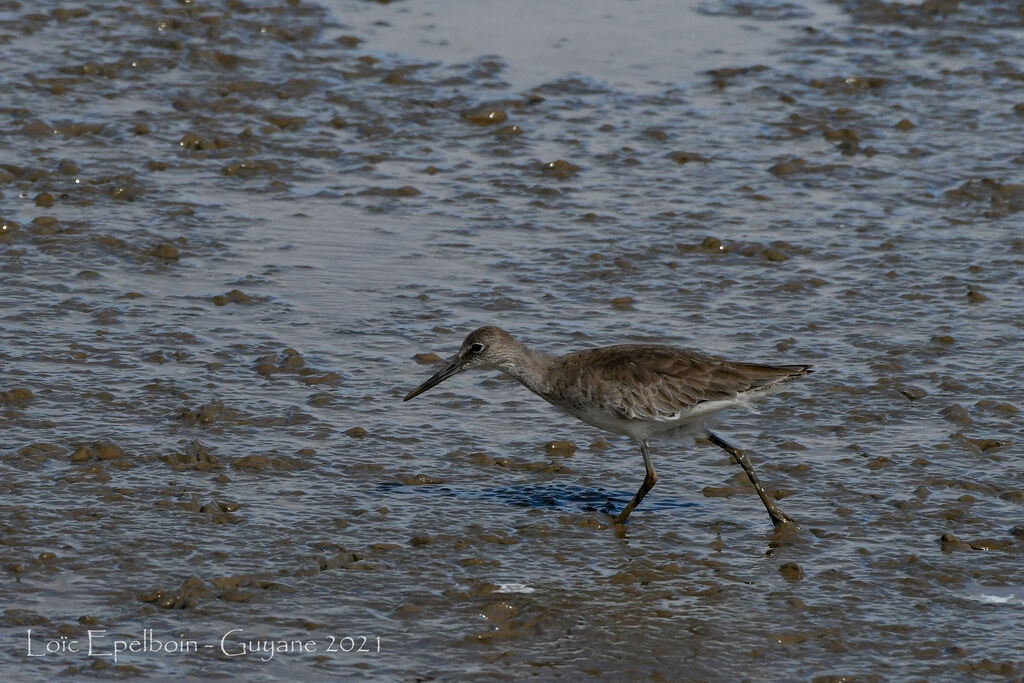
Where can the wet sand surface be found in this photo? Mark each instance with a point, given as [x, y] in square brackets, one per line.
[233, 235]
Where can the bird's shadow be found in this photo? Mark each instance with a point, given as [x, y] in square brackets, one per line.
[583, 499]
[578, 499]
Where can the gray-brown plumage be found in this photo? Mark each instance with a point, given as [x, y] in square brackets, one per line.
[641, 391]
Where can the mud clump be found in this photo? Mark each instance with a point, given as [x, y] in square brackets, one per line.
[560, 169]
[997, 407]
[195, 456]
[320, 399]
[848, 139]
[17, 397]
[283, 122]
[721, 78]
[290, 361]
[401, 191]
[708, 244]
[775, 252]
[100, 450]
[686, 157]
[44, 226]
[39, 452]
[486, 117]
[251, 167]
[186, 597]
[950, 543]
[1003, 198]
[261, 463]
[797, 166]
[8, 229]
[563, 449]
[913, 393]
[219, 512]
[975, 295]
[68, 167]
[508, 132]
[956, 413]
[195, 142]
[622, 303]
[791, 571]
[207, 414]
[234, 296]
[343, 559]
[165, 251]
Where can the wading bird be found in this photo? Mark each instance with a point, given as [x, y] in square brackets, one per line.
[642, 391]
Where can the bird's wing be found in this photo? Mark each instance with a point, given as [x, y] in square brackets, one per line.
[662, 383]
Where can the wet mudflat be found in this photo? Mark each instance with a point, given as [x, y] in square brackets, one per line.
[233, 235]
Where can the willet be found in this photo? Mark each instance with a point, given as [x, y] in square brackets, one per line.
[639, 390]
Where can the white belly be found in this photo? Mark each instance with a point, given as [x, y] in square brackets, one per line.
[692, 422]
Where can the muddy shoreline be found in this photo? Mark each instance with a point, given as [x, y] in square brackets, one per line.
[234, 235]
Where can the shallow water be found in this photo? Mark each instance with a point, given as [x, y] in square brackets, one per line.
[227, 231]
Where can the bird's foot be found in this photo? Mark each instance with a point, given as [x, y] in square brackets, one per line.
[780, 518]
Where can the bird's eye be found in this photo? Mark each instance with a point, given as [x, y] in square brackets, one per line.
[477, 347]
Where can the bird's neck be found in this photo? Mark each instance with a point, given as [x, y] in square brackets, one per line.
[531, 369]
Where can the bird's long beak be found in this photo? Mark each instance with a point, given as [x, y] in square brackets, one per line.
[452, 367]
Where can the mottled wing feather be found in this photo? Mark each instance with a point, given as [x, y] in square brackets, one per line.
[661, 383]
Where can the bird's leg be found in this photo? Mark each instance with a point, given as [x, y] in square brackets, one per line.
[777, 515]
[648, 484]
